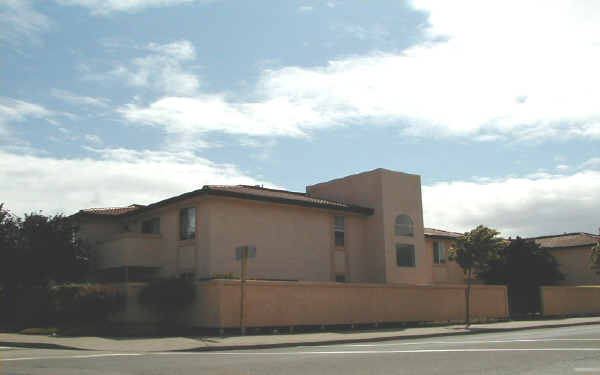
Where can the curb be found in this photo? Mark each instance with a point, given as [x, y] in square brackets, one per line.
[372, 339]
[216, 348]
[38, 345]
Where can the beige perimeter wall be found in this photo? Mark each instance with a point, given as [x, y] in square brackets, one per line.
[274, 303]
[570, 300]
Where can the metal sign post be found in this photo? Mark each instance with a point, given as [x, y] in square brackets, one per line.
[243, 253]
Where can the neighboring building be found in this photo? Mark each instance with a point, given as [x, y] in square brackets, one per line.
[364, 228]
[444, 271]
[572, 252]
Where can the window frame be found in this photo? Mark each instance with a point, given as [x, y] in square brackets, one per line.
[184, 235]
[339, 229]
[413, 257]
[153, 226]
[439, 253]
[400, 226]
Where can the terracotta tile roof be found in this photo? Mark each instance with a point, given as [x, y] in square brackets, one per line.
[111, 211]
[273, 193]
[430, 232]
[281, 196]
[243, 192]
[567, 240]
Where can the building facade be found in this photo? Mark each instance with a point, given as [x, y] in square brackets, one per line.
[364, 228]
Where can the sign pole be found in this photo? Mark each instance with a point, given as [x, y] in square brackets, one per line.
[243, 288]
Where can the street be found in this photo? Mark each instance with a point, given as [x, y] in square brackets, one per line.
[569, 350]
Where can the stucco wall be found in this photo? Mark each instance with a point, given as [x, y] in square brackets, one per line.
[574, 264]
[273, 303]
[448, 272]
[292, 243]
[390, 194]
[129, 249]
[363, 189]
[570, 300]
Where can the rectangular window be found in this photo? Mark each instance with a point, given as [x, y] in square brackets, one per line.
[151, 226]
[439, 253]
[338, 230]
[405, 255]
[187, 223]
[340, 278]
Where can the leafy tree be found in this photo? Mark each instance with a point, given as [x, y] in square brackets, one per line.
[473, 251]
[523, 266]
[39, 249]
[9, 244]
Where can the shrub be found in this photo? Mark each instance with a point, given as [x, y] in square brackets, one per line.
[167, 297]
[85, 303]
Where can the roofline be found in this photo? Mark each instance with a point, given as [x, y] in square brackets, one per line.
[567, 247]
[207, 190]
[563, 235]
[441, 236]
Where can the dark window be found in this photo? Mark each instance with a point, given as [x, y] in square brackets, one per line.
[338, 229]
[404, 226]
[151, 226]
[340, 278]
[187, 223]
[405, 255]
[439, 253]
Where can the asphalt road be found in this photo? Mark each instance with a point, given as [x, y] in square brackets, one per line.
[570, 350]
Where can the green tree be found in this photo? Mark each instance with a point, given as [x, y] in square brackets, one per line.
[523, 266]
[39, 249]
[9, 244]
[473, 251]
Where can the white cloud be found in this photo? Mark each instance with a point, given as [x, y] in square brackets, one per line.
[105, 7]
[528, 206]
[305, 9]
[119, 177]
[163, 70]
[93, 139]
[474, 77]
[12, 110]
[69, 97]
[18, 19]
[360, 32]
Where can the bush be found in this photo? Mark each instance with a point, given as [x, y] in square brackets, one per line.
[167, 297]
[85, 303]
[59, 305]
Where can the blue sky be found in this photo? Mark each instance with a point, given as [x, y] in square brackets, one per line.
[494, 104]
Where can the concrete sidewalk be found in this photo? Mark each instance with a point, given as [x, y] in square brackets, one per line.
[276, 340]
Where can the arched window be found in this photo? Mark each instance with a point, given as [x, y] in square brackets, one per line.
[404, 226]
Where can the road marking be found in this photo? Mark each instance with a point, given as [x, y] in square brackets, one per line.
[390, 351]
[75, 356]
[587, 370]
[468, 342]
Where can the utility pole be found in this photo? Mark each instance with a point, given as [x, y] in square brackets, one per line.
[242, 254]
[243, 289]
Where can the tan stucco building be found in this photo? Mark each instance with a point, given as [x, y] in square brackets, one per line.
[364, 228]
[572, 252]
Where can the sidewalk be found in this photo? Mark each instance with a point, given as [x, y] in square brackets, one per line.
[271, 341]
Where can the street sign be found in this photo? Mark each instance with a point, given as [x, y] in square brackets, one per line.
[239, 252]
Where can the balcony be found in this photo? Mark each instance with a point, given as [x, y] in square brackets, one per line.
[129, 250]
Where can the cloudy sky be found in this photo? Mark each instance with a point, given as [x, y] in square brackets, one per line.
[495, 104]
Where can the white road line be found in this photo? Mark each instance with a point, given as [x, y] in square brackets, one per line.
[74, 356]
[390, 351]
[467, 342]
[596, 370]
